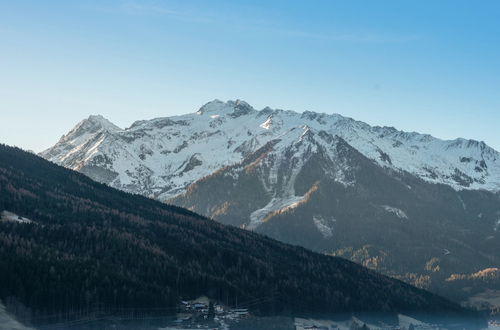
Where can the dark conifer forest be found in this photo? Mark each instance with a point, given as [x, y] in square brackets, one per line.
[90, 246]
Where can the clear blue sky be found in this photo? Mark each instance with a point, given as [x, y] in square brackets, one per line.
[428, 66]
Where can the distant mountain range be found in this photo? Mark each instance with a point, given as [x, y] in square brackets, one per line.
[77, 245]
[406, 204]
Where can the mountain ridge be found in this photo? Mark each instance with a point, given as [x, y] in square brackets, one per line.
[460, 163]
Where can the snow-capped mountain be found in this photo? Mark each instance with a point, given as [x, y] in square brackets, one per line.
[407, 204]
[159, 158]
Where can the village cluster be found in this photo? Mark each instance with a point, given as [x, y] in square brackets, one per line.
[203, 312]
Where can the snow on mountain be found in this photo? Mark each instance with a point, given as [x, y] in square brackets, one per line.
[8, 321]
[9, 216]
[398, 212]
[283, 161]
[159, 158]
[325, 226]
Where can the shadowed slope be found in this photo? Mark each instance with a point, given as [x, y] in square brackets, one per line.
[89, 245]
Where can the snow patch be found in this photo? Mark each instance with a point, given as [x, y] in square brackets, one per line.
[7, 321]
[282, 204]
[464, 206]
[404, 322]
[398, 212]
[306, 131]
[325, 226]
[9, 216]
[267, 124]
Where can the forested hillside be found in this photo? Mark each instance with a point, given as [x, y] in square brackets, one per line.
[77, 244]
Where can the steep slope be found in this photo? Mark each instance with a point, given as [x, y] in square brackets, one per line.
[90, 246]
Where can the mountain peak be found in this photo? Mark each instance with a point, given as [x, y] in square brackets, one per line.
[234, 108]
[104, 123]
[90, 126]
[90, 130]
